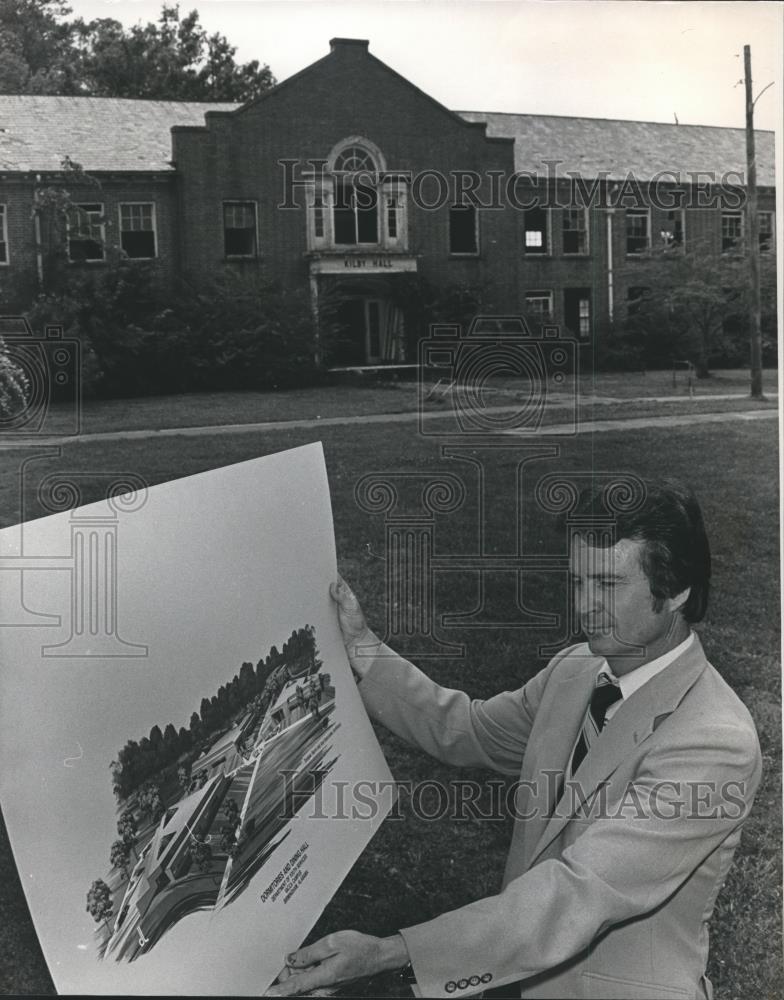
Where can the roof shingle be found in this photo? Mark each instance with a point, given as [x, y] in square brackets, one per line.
[100, 133]
[594, 147]
[118, 134]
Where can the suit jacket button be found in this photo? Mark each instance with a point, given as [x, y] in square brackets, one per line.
[487, 977]
[450, 987]
[474, 981]
[463, 984]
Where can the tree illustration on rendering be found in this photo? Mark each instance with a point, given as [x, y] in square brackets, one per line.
[126, 827]
[120, 856]
[99, 902]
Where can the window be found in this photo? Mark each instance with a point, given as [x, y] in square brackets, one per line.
[672, 233]
[356, 201]
[392, 214]
[535, 231]
[462, 229]
[86, 233]
[637, 230]
[731, 231]
[540, 305]
[137, 230]
[355, 211]
[766, 232]
[239, 228]
[577, 311]
[3, 235]
[575, 230]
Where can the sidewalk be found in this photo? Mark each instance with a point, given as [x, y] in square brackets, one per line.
[562, 429]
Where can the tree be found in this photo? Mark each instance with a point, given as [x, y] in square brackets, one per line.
[689, 297]
[173, 59]
[126, 827]
[37, 50]
[196, 727]
[120, 856]
[99, 902]
[150, 801]
[200, 853]
[43, 52]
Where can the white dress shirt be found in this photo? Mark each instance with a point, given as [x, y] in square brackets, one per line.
[635, 679]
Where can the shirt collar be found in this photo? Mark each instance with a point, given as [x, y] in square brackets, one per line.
[635, 679]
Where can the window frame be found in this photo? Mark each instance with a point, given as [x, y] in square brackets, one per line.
[349, 181]
[255, 206]
[638, 213]
[101, 225]
[677, 214]
[769, 246]
[154, 215]
[540, 294]
[736, 246]
[586, 231]
[5, 260]
[534, 251]
[464, 253]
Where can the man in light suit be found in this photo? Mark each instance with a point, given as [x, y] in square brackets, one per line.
[637, 767]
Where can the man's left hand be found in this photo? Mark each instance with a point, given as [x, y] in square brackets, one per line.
[338, 958]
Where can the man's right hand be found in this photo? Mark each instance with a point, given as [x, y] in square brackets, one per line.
[360, 642]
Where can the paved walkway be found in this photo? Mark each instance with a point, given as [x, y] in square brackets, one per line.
[562, 429]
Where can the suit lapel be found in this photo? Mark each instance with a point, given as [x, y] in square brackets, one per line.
[547, 758]
[636, 718]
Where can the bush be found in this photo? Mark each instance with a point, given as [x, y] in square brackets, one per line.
[14, 386]
[137, 339]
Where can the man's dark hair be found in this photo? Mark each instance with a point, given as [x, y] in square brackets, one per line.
[665, 515]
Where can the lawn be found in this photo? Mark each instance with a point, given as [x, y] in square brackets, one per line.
[415, 869]
[367, 396]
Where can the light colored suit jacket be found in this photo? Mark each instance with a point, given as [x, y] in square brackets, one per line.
[610, 899]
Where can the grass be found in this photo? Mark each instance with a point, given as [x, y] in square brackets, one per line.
[380, 396]
[414, 869]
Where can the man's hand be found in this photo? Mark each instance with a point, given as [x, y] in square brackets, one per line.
[357, 637]
[338, 958]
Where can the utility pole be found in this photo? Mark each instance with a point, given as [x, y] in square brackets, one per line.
[752, 231]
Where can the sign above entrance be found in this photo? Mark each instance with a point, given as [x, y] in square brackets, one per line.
[364, 263]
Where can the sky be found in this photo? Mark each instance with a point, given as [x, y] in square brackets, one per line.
[623, 59]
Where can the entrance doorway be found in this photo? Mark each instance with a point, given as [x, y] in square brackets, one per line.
[369, 332]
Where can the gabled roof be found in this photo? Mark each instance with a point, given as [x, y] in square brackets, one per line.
[118, 134]
[589, 146]
[100, 133]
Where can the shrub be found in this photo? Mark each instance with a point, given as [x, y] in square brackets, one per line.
[232, 333]
[14, 386]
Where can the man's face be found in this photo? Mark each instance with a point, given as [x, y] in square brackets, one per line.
[615, 605]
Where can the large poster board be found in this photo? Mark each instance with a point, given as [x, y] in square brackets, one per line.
[177, 721]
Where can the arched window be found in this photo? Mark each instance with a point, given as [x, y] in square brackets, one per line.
[357, 203]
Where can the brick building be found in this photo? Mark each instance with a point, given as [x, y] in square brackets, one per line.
[348, 181]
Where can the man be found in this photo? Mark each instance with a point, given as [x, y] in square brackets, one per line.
[637, 767]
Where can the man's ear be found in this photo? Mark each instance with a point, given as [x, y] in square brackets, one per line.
[676, 603]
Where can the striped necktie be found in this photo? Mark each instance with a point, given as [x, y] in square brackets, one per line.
[606, 693]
